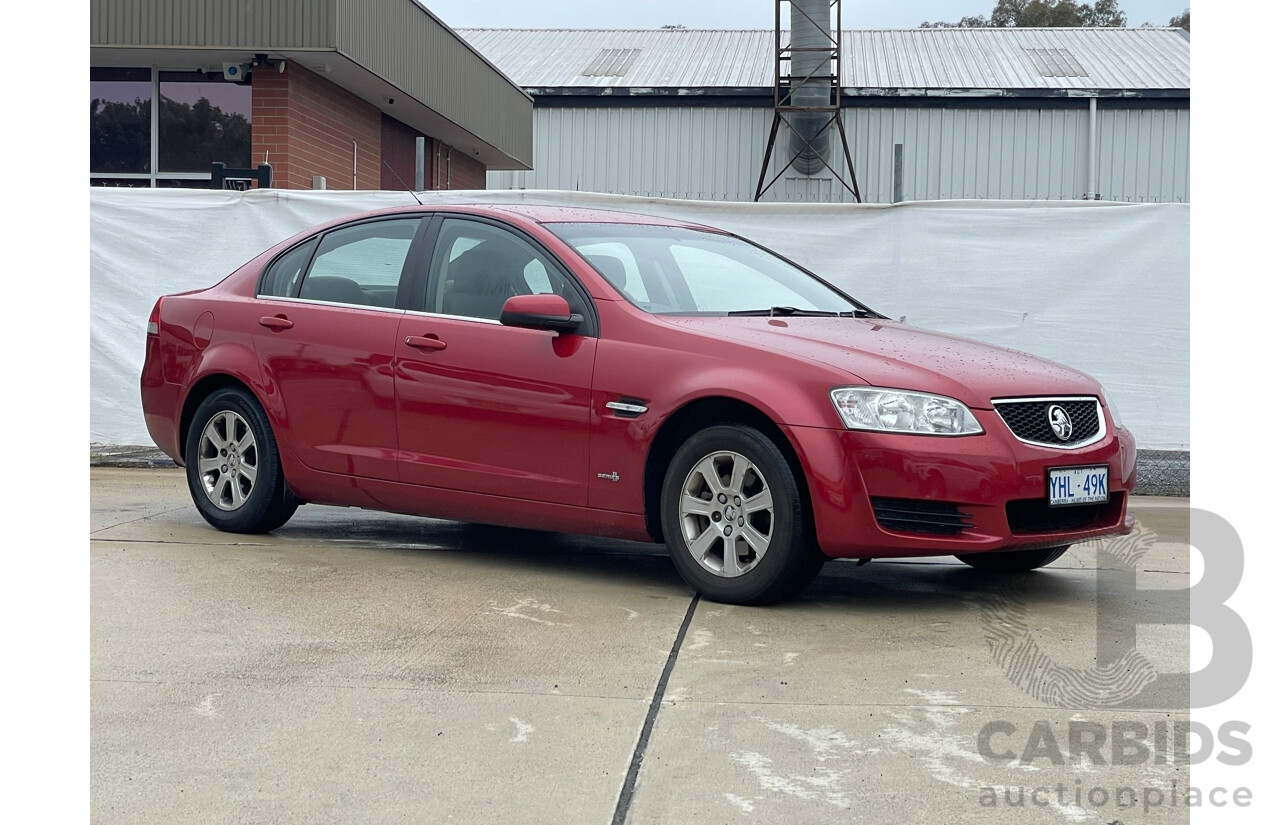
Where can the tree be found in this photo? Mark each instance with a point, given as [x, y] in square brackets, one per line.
[975, 22]
[192, 136]
[1182, 21]
[1103, 14]
[119, 135]
[1044, 13]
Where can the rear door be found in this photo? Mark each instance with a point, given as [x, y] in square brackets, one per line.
[331, 308]
[483, 407]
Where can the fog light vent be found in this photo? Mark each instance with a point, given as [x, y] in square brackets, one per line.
[909, 515]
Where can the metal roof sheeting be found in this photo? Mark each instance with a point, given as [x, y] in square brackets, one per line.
[683, 58]
[998, 59]
[889, 59]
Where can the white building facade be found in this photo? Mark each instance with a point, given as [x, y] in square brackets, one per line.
[930, 114]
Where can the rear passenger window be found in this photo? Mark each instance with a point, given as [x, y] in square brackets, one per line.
[281, 279]
[361, 265]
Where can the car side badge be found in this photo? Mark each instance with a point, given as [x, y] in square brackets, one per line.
[627, 407]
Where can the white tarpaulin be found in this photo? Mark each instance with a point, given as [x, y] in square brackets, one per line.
[1101, 287]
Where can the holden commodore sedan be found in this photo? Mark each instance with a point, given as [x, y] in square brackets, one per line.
[621, 375]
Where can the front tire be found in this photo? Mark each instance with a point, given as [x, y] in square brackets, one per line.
[233, 465]
[1015, 561]
[735, 520]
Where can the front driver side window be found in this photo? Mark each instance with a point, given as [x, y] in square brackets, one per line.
[476, 267]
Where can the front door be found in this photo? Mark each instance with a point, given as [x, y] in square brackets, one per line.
[483, 407]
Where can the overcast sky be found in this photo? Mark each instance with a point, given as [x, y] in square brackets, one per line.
[729, 14]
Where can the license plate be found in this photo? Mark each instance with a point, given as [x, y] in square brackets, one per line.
[1077, 485]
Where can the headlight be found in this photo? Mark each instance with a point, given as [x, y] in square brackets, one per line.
[896, 411]
[1111, 408]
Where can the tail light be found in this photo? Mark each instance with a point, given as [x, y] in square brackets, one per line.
[153, 323]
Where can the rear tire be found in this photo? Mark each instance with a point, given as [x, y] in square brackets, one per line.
[1015, 561]
[735, 520]
[233, 465]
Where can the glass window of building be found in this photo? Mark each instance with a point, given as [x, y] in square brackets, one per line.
[120, 121]
[203, 119]
[200, 118]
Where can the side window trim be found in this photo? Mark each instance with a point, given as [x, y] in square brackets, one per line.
[339, 304]
[591, 326]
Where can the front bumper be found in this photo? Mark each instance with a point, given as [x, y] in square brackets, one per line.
[980, 475]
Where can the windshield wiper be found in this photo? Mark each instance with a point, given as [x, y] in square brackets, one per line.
[821, 313]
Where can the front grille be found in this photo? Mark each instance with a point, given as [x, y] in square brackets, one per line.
[1029, 420]
[1034, 515]
[911, 515]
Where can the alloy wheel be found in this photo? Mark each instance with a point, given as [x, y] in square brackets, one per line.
[228, 460]
[726, 514]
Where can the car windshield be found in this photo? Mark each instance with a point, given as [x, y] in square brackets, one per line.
[671, 270]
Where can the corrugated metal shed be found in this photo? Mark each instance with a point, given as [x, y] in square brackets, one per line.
[715, 152]
[873, 59]
[929, 113]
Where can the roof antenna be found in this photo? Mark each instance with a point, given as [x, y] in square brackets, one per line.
[406, 186]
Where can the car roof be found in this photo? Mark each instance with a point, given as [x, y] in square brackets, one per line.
[535, 213]
[575, 214]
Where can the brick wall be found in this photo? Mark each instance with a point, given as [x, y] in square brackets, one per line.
[455, 170]
[468, 173]
[304, 125]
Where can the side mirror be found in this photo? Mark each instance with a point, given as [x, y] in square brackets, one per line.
[549, 312]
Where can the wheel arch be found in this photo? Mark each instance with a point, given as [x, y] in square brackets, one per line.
[202, 389]
[281, 501]
[698, 415]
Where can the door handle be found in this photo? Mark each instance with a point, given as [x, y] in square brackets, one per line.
[425, 342]
[276, 322]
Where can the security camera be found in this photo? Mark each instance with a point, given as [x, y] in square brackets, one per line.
[235, 71]
[263, 60]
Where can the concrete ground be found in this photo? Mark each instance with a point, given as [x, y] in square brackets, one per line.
[365, 667]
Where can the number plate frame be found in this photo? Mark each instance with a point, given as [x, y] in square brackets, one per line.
[1072, 482]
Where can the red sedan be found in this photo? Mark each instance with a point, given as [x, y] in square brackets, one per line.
[621, 375]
